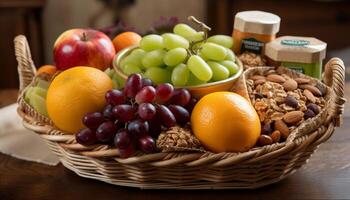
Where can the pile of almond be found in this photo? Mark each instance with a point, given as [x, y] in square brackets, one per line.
[283, 102]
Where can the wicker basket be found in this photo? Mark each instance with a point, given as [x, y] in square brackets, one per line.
[256, 168]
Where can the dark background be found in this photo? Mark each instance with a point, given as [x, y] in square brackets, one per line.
[326, 20]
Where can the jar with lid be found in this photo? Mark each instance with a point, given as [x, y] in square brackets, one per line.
[253, 29]
[303, 54]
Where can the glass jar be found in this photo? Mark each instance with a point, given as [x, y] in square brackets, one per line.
[253, 29]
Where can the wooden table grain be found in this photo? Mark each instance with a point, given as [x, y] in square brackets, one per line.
[326, 176]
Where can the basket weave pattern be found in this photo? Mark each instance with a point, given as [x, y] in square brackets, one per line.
[181, 170]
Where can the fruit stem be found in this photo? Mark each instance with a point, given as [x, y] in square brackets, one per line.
[189, 52]
[133, 102]
[204, 28]
[202, 25]
[84, 38]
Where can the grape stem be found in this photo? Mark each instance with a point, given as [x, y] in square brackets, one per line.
[202, 25]
[189, 52]
[204, 28]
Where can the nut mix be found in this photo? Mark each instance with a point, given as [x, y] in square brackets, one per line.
[283, 102]
[251, 60]
[178, 139]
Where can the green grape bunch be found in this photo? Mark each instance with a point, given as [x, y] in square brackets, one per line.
[185, 57]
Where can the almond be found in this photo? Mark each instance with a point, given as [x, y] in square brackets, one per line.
[314, 90]
[259, 81]
[277, 116]
[309, 96]
[276, 78]
[276, 136]
[282, 128]
[264, 140]
[293, 117]
[257, 77]
[302, 80]
[290, 85]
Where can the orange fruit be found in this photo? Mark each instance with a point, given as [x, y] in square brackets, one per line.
[126, 39]
[75, 92]
[225, 122]
[48, 69]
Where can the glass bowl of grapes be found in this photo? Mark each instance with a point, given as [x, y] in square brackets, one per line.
[186, 58]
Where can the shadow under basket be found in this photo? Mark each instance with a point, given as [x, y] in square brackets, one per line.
[185, 170]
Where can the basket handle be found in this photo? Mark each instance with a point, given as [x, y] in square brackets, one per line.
[334, 77]
[26, 68]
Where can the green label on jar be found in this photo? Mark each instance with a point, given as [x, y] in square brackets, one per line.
[252, 45]
[299, 43]
[310, 69]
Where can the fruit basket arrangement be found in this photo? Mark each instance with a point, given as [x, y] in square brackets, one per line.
[122, 128]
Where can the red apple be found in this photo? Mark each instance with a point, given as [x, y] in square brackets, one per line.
[83, 47]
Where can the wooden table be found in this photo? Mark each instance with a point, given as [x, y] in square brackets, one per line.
[326, 176]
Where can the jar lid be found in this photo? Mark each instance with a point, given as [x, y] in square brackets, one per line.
[296, 49]
[257, 22]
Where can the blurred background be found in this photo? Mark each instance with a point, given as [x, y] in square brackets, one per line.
[42, 21]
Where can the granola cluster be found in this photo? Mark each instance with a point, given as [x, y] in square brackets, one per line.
[178, 139]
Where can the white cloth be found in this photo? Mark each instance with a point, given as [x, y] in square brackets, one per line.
[21, 143]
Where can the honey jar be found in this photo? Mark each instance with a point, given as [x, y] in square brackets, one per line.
[253, 29]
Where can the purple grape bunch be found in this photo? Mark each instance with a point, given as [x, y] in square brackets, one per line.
[135, 116]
